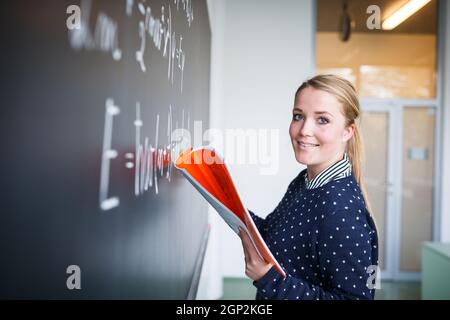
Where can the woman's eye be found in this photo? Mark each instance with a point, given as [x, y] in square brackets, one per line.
[323, 120]
[297, 117]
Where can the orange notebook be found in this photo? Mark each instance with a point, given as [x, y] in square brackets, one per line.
[207, 171]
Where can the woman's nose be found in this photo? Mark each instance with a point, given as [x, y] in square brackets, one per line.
[306, 128]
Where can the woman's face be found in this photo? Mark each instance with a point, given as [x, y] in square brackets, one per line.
[318, 130]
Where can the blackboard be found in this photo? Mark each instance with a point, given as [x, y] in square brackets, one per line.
[91, 205]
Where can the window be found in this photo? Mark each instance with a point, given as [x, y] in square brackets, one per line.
[398, 63]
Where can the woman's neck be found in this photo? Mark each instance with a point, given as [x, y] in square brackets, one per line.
[314, 170]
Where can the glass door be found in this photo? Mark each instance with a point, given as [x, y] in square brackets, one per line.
[377, 128]
[398, 170]
[417, 186]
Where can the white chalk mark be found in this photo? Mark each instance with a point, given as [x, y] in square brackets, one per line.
[140, 52]
[156, 146]
[138, 125]
[150, 162]
[187, 8]
[129, 164]
[160, 32]
[181, 58]
[169, 138]
[105, 38]
[110, 111]
[150, 165]
[145, 156]
[110, 154]
[109, 204]
[141, 8]
[117, 54]
[129, 7]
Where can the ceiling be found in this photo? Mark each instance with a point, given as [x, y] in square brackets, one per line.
[329, 15]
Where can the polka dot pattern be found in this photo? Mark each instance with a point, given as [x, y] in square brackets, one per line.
[325, 240]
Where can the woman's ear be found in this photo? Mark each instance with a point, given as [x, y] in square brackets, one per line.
[348, 132]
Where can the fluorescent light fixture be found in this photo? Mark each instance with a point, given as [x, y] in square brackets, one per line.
[403, 13]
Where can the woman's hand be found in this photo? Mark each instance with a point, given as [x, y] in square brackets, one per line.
[255, 266]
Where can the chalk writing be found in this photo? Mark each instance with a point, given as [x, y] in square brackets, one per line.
[105, 37]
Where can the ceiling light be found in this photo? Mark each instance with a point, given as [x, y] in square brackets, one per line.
[403, 13]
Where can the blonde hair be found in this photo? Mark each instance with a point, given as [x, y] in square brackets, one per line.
[345, 93]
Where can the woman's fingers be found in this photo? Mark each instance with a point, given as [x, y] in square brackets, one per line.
[249, 249]
[243, 235]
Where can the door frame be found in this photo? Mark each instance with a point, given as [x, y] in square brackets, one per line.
[389, 222]
[395, 109]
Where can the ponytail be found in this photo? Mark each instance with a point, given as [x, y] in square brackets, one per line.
[356, 156]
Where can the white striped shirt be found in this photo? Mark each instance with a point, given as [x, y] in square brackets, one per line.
[340, 169]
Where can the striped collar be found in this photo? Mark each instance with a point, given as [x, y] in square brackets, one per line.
[340, 169]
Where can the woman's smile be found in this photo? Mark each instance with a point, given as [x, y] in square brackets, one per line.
[306, 145]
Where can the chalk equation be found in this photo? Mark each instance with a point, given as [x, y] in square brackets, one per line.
[159, 30]
[185, 5]
[105, 37]
[149, 161]
[153, 26]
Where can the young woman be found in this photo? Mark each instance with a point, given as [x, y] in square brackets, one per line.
[321, 232]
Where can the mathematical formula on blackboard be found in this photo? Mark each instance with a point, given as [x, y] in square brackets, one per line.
[156, 27]
[149, 160]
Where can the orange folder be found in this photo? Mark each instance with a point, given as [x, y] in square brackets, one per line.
[207, 171]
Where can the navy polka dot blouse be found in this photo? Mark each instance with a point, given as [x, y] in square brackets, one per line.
[324, 239]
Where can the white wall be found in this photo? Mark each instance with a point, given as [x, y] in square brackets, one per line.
[267, 53]
[445, 191]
